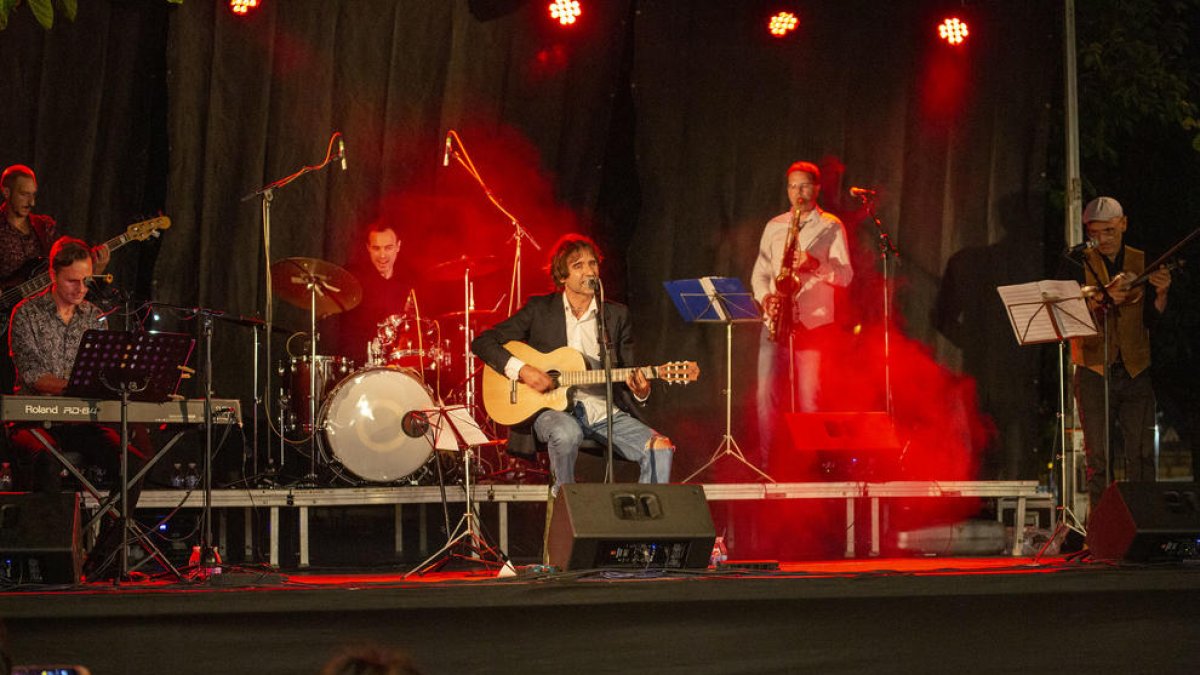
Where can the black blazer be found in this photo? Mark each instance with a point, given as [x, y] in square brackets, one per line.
[542, 324]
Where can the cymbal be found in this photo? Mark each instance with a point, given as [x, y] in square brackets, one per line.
[453, 269]
[479, 317]
[336, 289]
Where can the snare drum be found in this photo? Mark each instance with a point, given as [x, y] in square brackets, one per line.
[363, 424]
[295, 373]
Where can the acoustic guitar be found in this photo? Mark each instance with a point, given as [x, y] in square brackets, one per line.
[509, 403]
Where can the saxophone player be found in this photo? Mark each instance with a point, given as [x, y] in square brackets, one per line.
[803, 250]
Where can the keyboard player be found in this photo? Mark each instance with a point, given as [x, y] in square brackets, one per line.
[45, 333]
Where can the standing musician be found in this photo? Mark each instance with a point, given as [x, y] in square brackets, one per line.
[567, 317]
[385, 290]
[1112, 264]
[25, 239]
[820, 262]
[46, 329]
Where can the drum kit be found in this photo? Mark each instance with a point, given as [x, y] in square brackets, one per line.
[358, 418]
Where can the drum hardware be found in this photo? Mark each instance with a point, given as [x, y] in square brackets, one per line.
[324, 289]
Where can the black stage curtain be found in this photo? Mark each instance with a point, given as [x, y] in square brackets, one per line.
[664, 126]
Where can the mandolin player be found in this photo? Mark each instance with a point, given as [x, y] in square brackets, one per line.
[802, 256]
[1131, 311]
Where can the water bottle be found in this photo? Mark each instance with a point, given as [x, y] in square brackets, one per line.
[177, 475]
[192, 479]
[6, 477]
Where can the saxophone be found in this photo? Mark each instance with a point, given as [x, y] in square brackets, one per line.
[787, 282]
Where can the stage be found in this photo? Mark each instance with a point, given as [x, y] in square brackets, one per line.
[874, 615]
[861, 613]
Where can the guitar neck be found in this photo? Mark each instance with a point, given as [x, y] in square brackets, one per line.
[578, 378]
[23, 290]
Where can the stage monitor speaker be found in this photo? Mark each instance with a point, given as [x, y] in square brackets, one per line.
[596, 525]
[845, 445]
[40, 538]
[1146, 522]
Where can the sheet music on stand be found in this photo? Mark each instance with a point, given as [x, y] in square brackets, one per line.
[1047, 311]
[152, 361]
[715, 299]
[446, 422]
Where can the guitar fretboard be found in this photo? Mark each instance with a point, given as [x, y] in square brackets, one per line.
[577, 378]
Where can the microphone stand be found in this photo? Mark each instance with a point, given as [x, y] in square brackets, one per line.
[887, 253]
[606, 359]
[267, 193]
[1107, 305]
[519, 232]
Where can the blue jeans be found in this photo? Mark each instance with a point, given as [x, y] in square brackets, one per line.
[563, 432]
[775, 396]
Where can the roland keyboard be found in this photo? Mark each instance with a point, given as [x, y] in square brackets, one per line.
[69, 409]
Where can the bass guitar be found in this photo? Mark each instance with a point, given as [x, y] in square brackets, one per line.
[19, 290]
[509, 402]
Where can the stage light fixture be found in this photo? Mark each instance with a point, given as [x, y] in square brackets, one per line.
[782, 23]
[953, 31]
[565, 12]
[242, 6]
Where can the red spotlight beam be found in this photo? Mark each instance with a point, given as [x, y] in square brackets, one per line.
[456, 149]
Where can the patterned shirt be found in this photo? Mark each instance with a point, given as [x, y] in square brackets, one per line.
[41, 344]
[17, 248]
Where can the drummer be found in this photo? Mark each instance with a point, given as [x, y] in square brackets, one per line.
[385, 288]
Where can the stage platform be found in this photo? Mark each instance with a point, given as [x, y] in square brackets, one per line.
[951, 615]
[1017, 495]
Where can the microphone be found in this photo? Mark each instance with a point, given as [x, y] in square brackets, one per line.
[446, 154]
[342, 152]
[1083, 246]
[415, 423]
[97, 280]
[592, 283]
[862, 192]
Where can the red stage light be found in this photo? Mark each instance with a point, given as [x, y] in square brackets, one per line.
[565, 11]
[782, 23]
[242, 6]
[953, 31]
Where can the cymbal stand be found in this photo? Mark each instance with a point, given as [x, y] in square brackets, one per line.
[467, 535]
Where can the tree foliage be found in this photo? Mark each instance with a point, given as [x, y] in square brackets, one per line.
[1138, 70]
[42, 10]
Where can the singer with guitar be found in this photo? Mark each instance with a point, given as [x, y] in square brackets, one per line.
[802, 258]
[567, 318]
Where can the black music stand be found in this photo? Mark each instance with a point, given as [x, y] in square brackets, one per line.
[1053, 311]
[141, 367]
[722, 300]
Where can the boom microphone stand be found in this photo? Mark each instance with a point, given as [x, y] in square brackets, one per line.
[267, 193]
[887, 254]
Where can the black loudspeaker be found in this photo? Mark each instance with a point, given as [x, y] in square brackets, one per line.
[40, 538]
[597, 525]
[1146, 522]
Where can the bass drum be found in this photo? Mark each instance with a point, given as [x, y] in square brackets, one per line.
[363, 423]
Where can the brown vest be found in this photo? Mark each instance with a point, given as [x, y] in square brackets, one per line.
[1129, 340]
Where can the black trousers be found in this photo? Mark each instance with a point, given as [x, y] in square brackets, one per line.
[1131, 411]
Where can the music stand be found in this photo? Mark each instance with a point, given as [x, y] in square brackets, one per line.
[453, 428]
[722, 300]
[1052, 311]
[142, 367]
